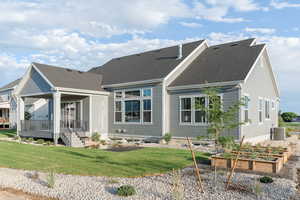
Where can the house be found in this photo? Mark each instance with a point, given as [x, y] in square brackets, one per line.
[153, 93]
[36, 108]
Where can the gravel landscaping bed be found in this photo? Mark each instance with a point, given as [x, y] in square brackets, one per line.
[70, 187]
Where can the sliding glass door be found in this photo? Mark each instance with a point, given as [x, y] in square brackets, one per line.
[71, 115]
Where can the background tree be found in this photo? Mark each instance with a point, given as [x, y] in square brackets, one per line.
[288, 116]
[220, 119]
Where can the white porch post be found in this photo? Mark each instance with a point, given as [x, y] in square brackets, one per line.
[20, 114]
[56, 116]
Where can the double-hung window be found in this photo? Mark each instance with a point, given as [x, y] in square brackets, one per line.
[267, 109]
[246, 109]
[133, 106]
[260, 110]
[186, 110]
[200, 114]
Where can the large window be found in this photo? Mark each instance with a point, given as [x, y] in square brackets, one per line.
[133, 106]
[267, 109]
[192, 109]
[260, 110]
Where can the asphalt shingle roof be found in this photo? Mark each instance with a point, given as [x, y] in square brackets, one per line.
[70, 78]
[149, 65]
[10, 85]
[221, 63]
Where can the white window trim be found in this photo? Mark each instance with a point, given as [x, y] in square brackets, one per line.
[262, 110]
[248, 122]
[193, 113]
[267, 119]
[141, 98]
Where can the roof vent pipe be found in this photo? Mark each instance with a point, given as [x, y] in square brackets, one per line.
[179, 52]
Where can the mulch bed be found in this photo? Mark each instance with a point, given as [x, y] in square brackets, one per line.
[25, 194]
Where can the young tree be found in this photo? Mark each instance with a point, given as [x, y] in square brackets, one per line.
[219, 119]
[288, 116]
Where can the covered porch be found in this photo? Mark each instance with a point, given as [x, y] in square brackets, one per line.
[68, 118]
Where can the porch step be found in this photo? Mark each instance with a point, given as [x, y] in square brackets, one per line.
[71, 139]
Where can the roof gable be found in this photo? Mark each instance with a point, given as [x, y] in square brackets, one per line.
[221, 63]
[156, 64]
[10, 85]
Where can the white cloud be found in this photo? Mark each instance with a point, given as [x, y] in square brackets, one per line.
[190, 24]
[283, 4]
[239, 5]
[260, 30]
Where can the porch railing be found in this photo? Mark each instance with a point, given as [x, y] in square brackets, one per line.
[74, 125]
[37, 125]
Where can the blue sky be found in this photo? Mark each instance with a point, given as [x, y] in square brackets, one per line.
[81, 35]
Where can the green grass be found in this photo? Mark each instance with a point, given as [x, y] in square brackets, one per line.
[7, 133]
[94, 161]
[294, 126]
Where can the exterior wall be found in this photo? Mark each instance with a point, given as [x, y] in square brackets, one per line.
[230, 96]
[13, 113]
[154, 129]
[35, 84]
[99, 107]
[260, 84]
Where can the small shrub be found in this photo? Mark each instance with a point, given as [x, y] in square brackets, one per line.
[95, 137]
[257, 189]
[103, 142]
[200, 137]
[49, 143]
[30, 140]
[226, 141]
[16, 137]
[227, 155]
[35, 175]
[167, 137]
[126, 190]
[40, 141]
[266, 179]
[51, 179]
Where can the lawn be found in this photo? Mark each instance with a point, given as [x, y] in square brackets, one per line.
[293, 126]
[94, 161]
[7, 133]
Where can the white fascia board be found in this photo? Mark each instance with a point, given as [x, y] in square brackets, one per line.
[42, 75]
[198, 86]
[74, 90]
[133, 83]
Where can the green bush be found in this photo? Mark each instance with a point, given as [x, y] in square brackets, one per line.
[51, 179]
[30, 140]
[40, 141]
[126, 190]
[288, 116]
[226, 141]
[95, 137]
[266, 179]
[167, 137]
[200, 137]
[49, 143]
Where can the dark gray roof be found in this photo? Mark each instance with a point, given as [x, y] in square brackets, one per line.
[70, 78]
[221, 63]
[10, 85]
[149, 65]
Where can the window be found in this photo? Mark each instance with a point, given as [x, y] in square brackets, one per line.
[132, 111]
[200, 114]
[246, 109]
[192, 109]
[133, 106]
[260, 110]
[273, 105]
[147, 110]
[267, 109]
[186, 110]
[118, 111]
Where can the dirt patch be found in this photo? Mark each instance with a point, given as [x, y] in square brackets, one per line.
[124, 148]
[12, 194]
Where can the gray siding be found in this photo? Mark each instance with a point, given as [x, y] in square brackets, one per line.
[260, 84]
[86, 109]
[35, 84]
[230, 97]
[154, 129]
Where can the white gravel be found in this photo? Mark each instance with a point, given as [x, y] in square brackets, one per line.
[70, 187]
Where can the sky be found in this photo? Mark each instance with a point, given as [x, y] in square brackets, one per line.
[81, 34]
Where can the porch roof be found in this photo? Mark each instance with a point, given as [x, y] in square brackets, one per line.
[70, 78]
